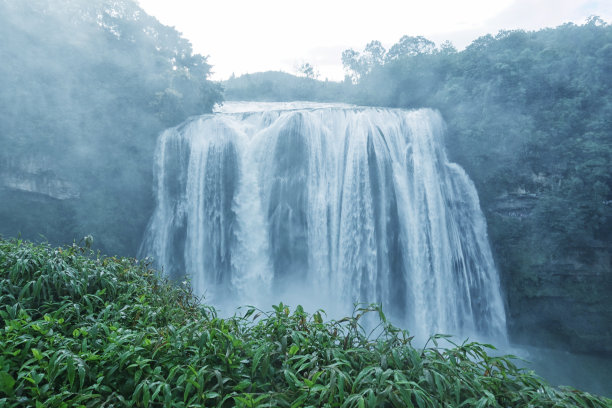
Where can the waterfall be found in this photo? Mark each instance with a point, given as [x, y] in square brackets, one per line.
[327, 204]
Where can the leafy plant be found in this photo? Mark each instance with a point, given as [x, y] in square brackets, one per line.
[80, 329]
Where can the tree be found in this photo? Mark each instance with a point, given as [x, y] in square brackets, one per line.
[374, 54]
[409, 47]
[447, 48]
[102, 78]
[308, 70]
[352, 64]
[359, 65]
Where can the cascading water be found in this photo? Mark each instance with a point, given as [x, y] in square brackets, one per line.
[328, 204]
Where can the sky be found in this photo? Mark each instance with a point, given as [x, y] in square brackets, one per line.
[246, 36]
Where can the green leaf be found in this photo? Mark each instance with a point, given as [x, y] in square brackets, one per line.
[81, 372]
[37, 354]
[70, 368]
[7, 382]
[298, 402]
[146, 396]
[292, 380]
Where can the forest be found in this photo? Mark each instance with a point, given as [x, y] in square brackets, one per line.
[86, 88]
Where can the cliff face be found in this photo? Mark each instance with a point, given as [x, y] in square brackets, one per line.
[36, 175]
[556, 297]
[61, 200]
[85, 88]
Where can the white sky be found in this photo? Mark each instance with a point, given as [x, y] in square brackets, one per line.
[245, 36]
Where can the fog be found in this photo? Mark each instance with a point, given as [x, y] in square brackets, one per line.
[218, 29]
[86, 88]
[90, 89]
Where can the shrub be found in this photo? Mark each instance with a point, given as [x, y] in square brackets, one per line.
[80, 329]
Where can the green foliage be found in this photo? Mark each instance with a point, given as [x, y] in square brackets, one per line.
[80, 329]
[525, 110]
[280, 86]
[86, 87]
[308, 70]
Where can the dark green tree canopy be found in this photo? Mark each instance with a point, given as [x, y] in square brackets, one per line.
[409, 47]
[86, 86]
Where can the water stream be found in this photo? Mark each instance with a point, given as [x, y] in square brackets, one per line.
[325, 205]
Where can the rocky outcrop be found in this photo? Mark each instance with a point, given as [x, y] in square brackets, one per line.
[565, 303]
[556, 296]
[35, 175]
[515, 204]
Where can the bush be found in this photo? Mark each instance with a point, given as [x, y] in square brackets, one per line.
[80, 329]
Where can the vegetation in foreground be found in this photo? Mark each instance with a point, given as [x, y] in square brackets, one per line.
[80, 329]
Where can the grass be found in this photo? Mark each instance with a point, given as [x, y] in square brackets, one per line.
[81, 330]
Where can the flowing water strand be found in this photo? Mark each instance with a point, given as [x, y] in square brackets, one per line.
[326, 206]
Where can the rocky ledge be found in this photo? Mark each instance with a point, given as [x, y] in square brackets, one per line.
[35, 175]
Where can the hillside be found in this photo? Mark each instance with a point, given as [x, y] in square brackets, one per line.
[86, 87]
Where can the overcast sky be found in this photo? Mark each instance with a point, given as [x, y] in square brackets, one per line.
[245, 36]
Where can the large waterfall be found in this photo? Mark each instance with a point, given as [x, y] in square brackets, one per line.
[326, 204]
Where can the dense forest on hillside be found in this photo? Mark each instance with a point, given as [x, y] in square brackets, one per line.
[281, 86]
[85, 88]
[529, 118]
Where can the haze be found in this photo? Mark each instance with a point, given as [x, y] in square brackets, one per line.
[243, 36]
